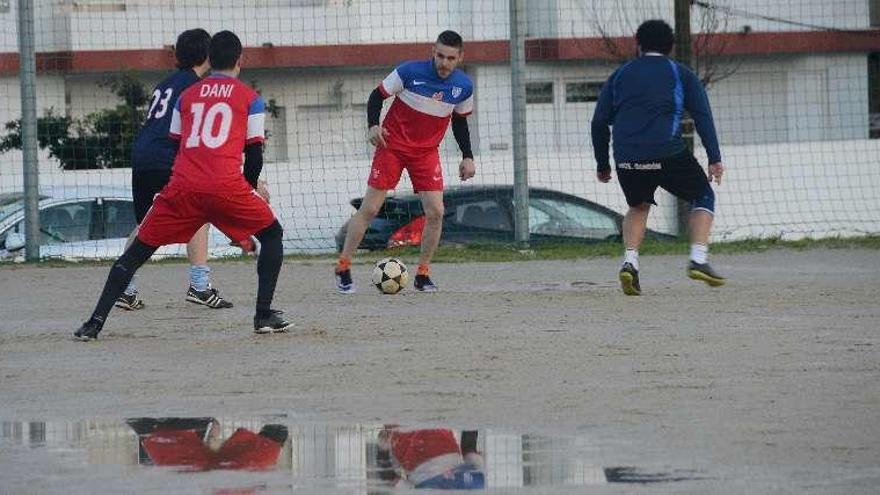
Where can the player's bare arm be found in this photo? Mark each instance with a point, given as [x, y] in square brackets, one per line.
[603, 175]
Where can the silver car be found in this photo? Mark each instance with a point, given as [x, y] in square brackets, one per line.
[84, 222]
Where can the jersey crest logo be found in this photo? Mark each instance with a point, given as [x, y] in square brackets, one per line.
[456, 91]
[438, 95]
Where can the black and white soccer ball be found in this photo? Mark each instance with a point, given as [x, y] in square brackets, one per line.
[390, 275]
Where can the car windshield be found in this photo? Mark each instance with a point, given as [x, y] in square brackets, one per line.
[11, 203]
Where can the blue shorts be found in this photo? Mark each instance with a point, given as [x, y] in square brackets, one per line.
[463, 477]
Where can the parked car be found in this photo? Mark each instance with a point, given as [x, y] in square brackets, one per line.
[83, 222]
[485, 214]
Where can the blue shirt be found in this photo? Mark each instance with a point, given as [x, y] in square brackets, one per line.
[643, 101]
[152, 148]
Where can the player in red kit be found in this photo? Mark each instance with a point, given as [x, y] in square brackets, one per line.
[215, 120]
[429, 93]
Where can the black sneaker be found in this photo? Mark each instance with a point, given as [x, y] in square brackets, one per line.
[274, 323]
[629, 280]
[210, 298]
[704, 272]
[129, 302]
[344, 283]
[423, 283]
[89, 330]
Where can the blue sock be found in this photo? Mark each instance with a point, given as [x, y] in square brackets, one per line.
[132, 288]
[200, 277]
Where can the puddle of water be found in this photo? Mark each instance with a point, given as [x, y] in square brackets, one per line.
[232, 455]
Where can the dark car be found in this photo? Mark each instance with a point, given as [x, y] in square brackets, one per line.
[485, 214]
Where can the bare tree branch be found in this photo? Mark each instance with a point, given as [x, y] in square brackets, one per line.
[709, 59]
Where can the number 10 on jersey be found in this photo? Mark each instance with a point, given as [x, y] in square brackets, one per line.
[204, 123]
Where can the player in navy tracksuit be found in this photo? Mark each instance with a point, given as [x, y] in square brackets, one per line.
[153, 155]
[644, 101]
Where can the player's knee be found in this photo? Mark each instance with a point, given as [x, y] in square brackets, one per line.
[434, 213]
[706, 201]
[368, 212]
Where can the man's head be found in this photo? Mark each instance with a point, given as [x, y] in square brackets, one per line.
[276, 433]
[225, 51]
[655, 36]
[191, 49]
[448, 52]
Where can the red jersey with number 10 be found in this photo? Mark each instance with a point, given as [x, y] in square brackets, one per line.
[214, 119]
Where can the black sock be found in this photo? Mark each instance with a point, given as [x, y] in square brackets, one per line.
[268, 266]
[120, 275]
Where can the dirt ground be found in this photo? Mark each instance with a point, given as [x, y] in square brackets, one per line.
[770, 384]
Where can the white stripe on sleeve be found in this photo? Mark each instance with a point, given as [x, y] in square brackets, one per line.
[256, 126]
[392, 84]
[175, 123]
[465, 107]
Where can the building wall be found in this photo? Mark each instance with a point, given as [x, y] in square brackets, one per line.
[131, 24]
[793, 98]
[576, 18]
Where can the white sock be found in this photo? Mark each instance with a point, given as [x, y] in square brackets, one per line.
[631, 256]
[699, 253]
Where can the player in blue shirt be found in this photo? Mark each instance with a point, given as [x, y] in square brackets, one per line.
[643, 101]
[153, 155]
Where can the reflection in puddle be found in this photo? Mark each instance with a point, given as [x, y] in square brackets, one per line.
[360, 458]
[197, 444]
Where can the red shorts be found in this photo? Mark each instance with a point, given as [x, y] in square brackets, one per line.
[423, 168]
[177, 214]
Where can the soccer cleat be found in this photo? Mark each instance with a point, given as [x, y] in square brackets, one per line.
[89, 330]
[274, 323]
[704, 272]
[344, 283]
[210, 298]
[423, 283]
[129, 302]
[629, 280]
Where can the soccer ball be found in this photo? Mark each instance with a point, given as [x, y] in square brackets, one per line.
[390, 276]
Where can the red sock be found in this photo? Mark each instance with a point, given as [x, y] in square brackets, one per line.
[423, 270]
[343, 264]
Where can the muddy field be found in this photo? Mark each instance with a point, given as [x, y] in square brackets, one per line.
[770, 384]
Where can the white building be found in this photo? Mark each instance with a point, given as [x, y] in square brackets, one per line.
[793, 115]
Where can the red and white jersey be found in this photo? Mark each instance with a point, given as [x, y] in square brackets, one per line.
[419, 116]
[417, 449]
[214, 119]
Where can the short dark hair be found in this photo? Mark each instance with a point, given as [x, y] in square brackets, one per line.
[655, 36]
[274, 432]
[451, 38]
[225, 50]
[191, 48]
